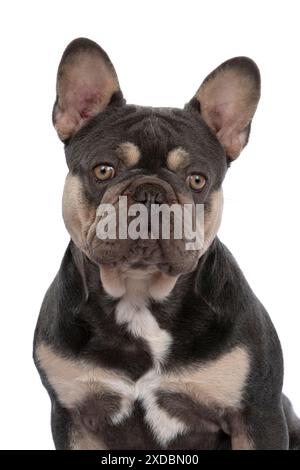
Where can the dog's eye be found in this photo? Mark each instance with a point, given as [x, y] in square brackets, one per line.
[196, 182]
[104, 172]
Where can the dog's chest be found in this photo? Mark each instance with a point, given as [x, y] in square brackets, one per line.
[167, 405]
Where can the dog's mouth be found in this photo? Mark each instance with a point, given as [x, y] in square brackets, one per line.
[167, 255]
[143, 224]
[138, 256]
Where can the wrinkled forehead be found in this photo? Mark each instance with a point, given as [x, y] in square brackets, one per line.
[155, 133]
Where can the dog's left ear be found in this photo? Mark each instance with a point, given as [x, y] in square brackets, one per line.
[227, 100]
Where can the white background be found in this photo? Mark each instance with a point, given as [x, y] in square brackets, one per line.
[161, 50]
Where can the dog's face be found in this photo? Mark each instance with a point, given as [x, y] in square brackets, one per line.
[151, 155]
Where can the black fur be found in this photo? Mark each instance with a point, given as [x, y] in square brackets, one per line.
[210, 311]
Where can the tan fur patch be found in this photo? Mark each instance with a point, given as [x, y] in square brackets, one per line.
[219, 382]
[162, 286]
[78, 216]
[154, 284]
[212, 219]
[177, 159]
[129, 154]
[112, 281]
[74, 380]
[242, 442]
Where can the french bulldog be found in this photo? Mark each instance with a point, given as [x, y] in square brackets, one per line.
[141, 343]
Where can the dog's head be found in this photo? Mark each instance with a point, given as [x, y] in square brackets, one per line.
[150, 155]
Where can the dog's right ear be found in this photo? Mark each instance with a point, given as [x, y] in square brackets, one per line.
[86, 82]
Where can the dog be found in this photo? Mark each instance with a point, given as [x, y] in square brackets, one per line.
[141, 343]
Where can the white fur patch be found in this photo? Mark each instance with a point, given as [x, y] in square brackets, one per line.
[141, 323]
[133, 312]
[164, 427]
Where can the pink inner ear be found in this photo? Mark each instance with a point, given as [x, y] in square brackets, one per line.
[222, 119]
[85, 86]
[80, 105]
[88, 103]
[216, 118]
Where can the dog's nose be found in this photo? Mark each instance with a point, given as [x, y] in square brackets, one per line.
[149, 194]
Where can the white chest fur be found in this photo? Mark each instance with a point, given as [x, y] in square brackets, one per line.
[133, 312]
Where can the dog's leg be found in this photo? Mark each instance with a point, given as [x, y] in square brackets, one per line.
[260, 429]
[69, 433]
[61, 425]
[293, 423]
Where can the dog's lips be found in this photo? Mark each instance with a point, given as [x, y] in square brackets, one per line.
[147, 252]
[144, 255]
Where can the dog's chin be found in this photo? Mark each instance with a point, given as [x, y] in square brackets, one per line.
[151, 267]
[134, 268]
[166, 256]
[170, 262]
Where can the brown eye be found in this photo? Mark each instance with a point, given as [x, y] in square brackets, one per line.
[104, 172]
[196, 182]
